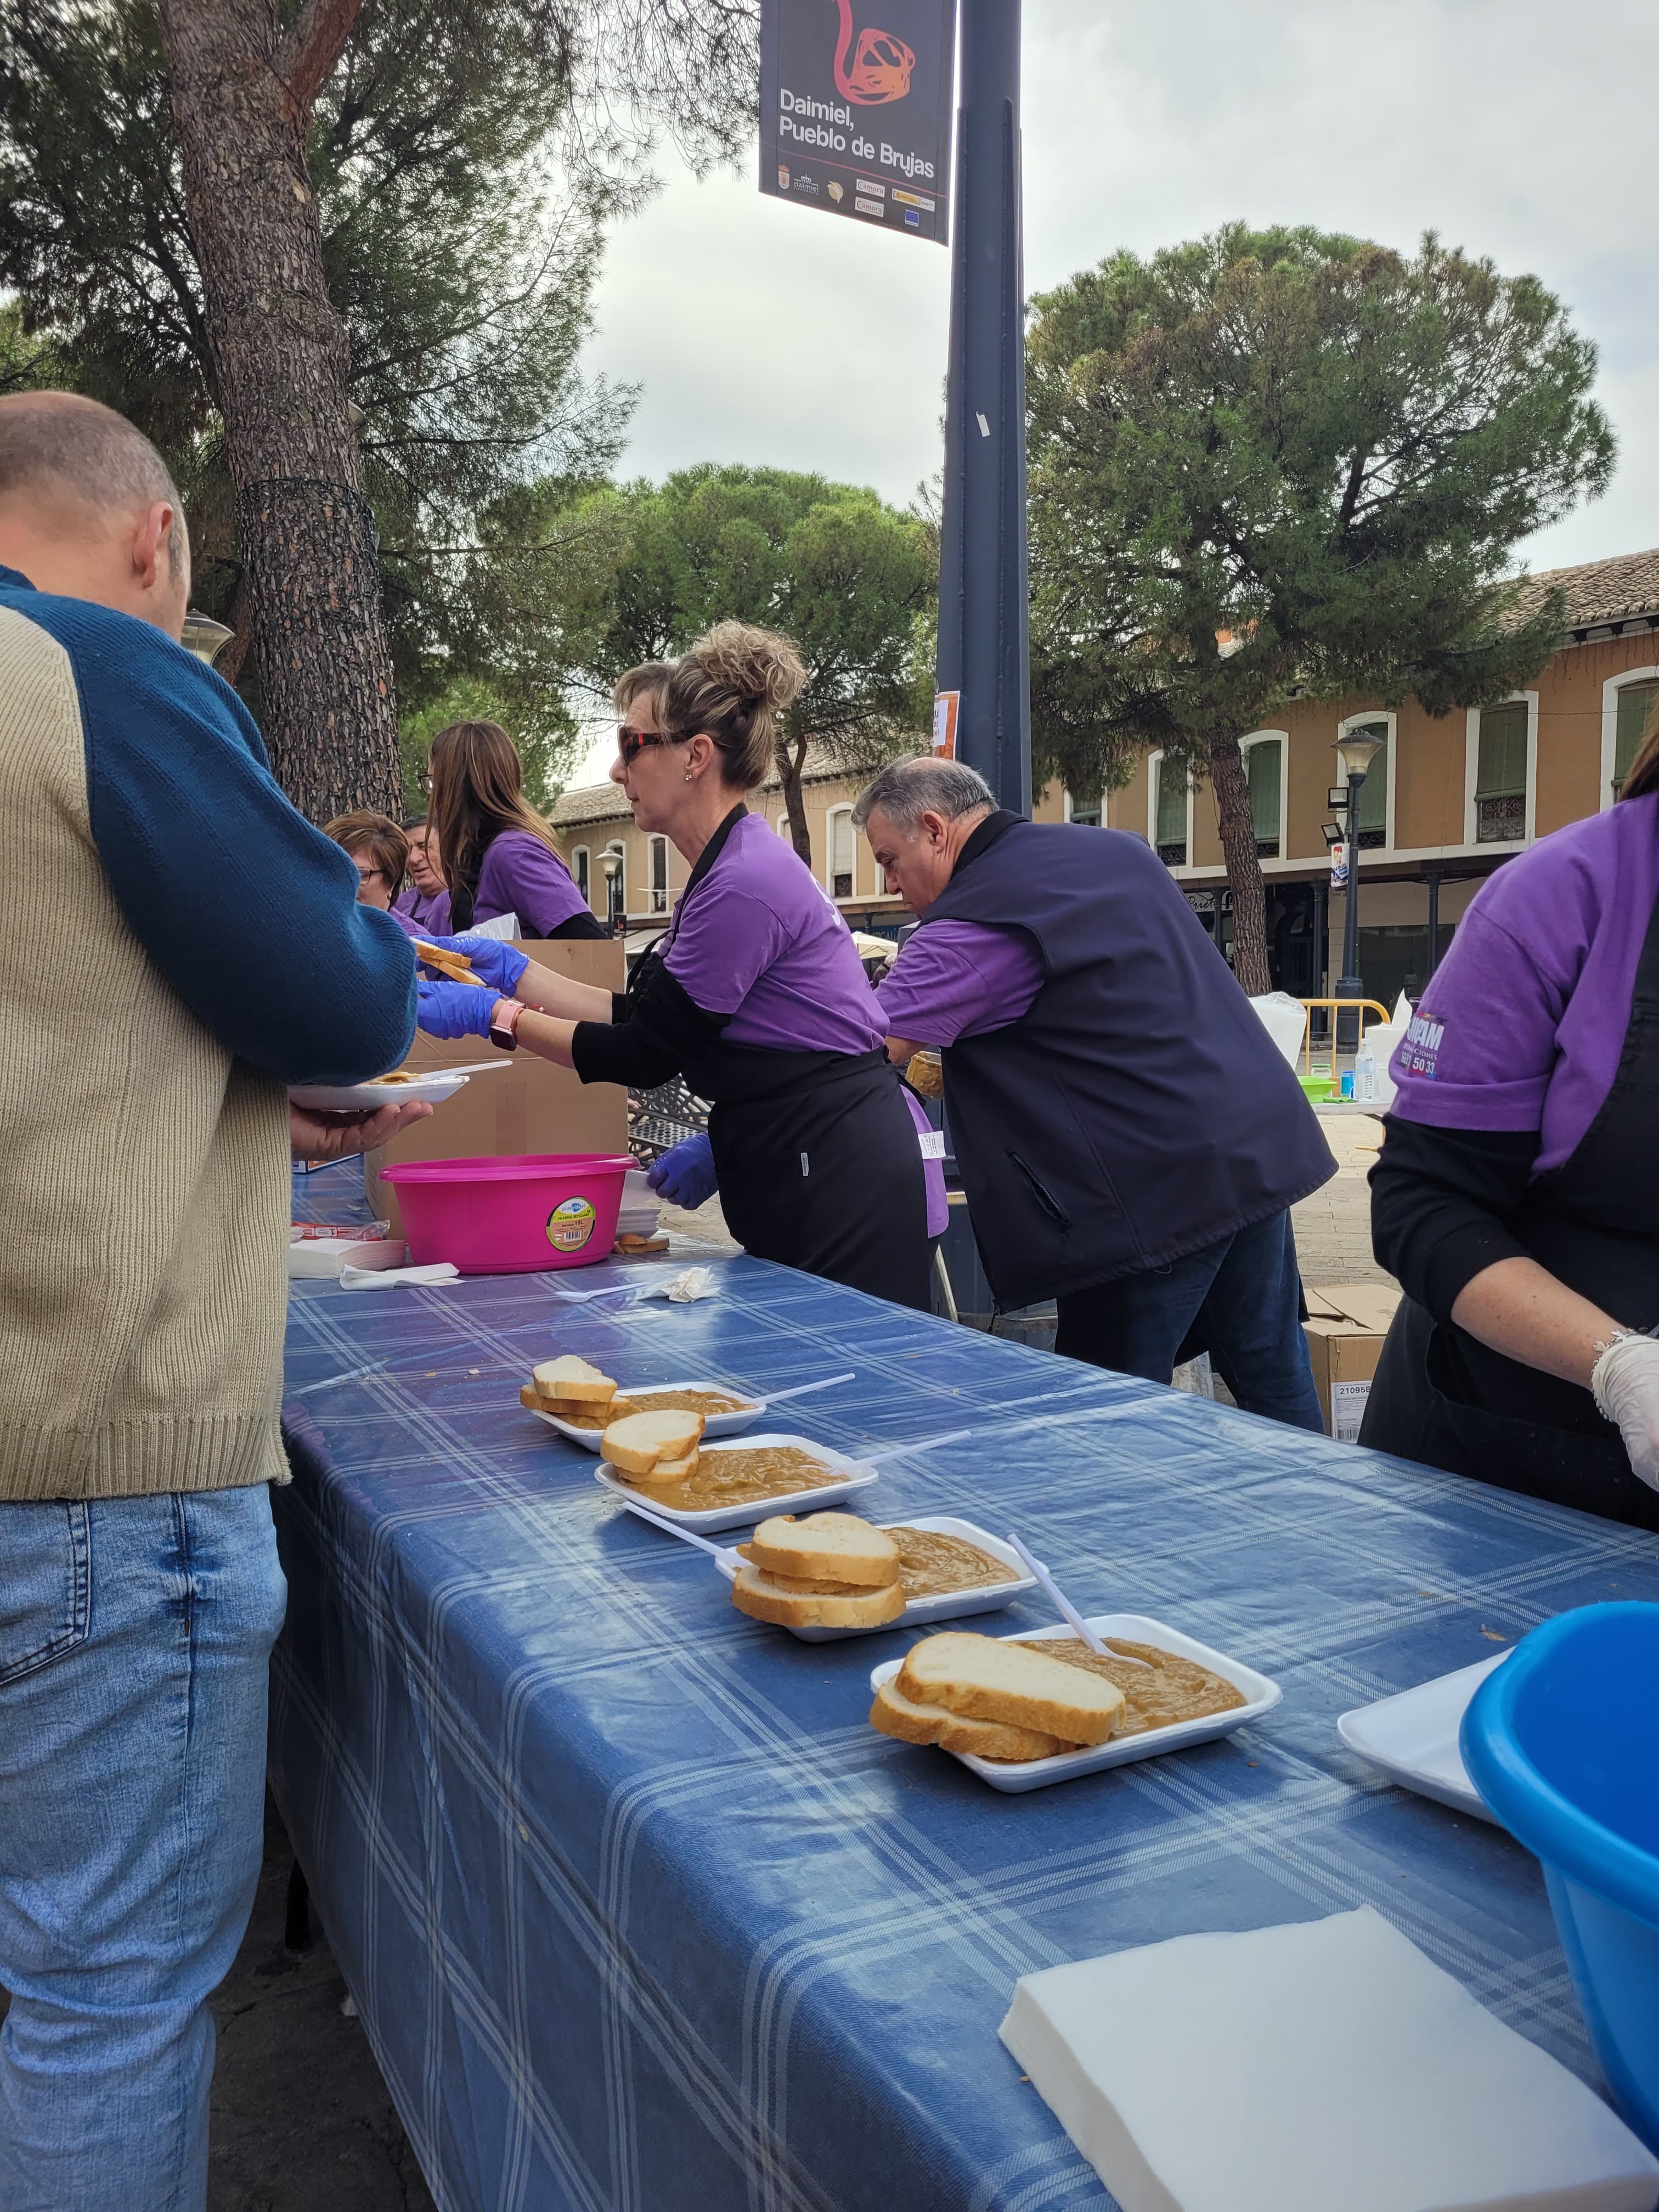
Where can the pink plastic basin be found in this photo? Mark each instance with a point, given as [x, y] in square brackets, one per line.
[514, 1215]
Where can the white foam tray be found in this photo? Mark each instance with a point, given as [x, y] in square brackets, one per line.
[1413, 1737]
[1015, 1776]
[948, 1605]
[841, 1477]
[718, 1424]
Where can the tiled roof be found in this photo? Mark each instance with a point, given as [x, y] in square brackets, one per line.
[1598, 592]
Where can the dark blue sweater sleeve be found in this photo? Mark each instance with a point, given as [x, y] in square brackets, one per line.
[250, 913]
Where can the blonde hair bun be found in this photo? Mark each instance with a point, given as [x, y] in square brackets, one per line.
[759, 666]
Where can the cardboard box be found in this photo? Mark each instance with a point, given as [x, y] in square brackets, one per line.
[1346, 1326]
[527, 1106]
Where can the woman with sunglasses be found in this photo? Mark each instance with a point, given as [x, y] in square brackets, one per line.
[755, 993]
[497, 853]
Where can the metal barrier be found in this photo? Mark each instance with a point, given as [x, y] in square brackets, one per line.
[1338, 1006]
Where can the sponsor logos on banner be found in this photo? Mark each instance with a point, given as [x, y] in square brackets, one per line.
[864, 87]
[1420, 1053]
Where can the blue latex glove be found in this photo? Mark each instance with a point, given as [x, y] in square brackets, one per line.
[685, 1175]
[455, 1010]
[494, 962]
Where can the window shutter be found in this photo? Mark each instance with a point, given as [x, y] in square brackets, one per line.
[1636, 702]
[1502, 772]
[1263, 760]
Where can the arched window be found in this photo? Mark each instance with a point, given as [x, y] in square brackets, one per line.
[657, 856]
[1265, 763]
[1501, 747]
[842, 851]
[580, 870]
[1627, 702]
[1170, 810]
[1085, 812]
[1370, 828]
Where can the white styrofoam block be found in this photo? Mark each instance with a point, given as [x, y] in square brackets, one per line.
[1324, 2067]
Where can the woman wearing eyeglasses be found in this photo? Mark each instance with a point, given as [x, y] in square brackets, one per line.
[497, 853]
[755, 993]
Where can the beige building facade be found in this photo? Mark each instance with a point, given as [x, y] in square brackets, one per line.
[1447, 800]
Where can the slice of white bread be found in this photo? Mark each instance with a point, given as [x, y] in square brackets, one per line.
[636, 1442]
[670, 1470]
[895, 1714]
[570, 1378]
[988, 1680]
[807, 1585]
[826, 1547]
[758, 1597]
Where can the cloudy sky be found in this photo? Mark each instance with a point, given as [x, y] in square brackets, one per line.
[767, 333]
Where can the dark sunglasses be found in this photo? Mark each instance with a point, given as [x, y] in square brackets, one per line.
[630, 744]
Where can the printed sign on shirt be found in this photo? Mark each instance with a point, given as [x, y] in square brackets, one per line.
[1419, 1052]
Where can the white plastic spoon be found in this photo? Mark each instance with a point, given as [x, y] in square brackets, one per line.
[1069, 1612]
[922, 1444]
[803, 1389]
[723, 1552]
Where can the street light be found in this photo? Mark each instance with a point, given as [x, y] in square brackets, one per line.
[610, 867]
[1355, 749]
[204, 637]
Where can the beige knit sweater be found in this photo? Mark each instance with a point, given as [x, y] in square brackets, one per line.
[143, 1171]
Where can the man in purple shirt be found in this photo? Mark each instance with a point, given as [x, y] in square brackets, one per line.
[1130, 1138]
[1516, 1196]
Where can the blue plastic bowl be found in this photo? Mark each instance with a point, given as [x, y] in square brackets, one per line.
[1563, 1743]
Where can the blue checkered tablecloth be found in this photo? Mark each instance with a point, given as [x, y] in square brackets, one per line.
[642, 1915]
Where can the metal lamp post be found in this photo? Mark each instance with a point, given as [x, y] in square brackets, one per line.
[610, 867]
[204, 637]
[1355, 751]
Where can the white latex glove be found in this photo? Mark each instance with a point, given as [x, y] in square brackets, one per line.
[1626, 1388]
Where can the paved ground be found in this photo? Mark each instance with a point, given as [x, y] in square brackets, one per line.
[301, 2119]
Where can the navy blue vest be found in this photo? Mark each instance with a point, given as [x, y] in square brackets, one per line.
[1140, 1110]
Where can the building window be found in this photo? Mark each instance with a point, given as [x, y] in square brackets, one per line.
[579, 869]
[614, 862]
[1264, 768]
[657, 855]
[1500, 775]
[782, 825]
[1171, 811]
[1085, 812]
[1370, 828]
[841, 853]
[1637, 702]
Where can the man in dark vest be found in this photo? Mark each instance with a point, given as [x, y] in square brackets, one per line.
[1130, 1137]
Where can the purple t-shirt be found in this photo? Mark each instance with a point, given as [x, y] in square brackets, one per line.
[956, 979]
[1522, 1024]
[760, 940]
[520, 876]
[427, 911]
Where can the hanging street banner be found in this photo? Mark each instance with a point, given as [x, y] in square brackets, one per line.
[855, 115]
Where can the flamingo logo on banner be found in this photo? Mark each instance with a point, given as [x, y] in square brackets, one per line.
[855, 120]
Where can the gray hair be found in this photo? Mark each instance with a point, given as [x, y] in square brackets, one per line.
[907, 789]
[62, 441]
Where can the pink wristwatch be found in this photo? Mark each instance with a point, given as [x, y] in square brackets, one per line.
[504, 1018]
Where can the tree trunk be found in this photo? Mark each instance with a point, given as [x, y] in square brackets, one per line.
[242, 92]
[1232, 799]
[791, 762]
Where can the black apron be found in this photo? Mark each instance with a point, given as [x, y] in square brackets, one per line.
[819, 1161]
[1594, 1224]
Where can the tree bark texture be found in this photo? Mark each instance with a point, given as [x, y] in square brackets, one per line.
[1232, 799]
[241, 96]
[792, 764]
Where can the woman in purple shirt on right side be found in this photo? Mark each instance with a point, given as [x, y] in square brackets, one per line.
[497, 853]
[1517, 1197]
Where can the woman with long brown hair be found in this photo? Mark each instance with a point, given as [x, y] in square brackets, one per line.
[497, 853]
[1515, 1195]
[755, 993]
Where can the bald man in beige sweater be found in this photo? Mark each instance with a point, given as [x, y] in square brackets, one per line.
[180, 946]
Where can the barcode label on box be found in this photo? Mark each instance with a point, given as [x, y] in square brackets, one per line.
[1348, 1410]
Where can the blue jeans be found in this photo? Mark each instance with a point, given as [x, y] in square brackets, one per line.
[135, 1640]
[1238, 1300]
